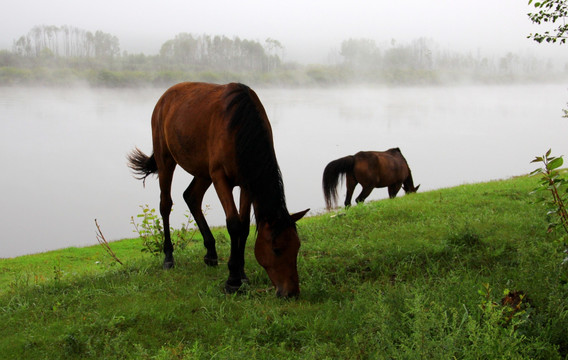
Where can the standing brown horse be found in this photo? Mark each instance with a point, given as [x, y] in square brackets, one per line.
[371, 169]
[221, 135]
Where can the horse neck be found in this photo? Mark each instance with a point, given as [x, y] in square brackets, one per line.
[260, 177]
[269, 201]
[259, 173]
[408, 183]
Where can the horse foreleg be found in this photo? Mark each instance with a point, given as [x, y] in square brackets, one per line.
[244, 214]
[193, 197]
[235, 227]
[394, 189]
[364, 194]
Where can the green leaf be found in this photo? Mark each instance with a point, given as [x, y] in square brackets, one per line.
[554, 164]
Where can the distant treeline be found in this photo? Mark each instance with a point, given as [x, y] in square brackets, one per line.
[62, 55]
[66, 41]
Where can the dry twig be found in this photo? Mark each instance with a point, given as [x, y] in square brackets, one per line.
[104, 243]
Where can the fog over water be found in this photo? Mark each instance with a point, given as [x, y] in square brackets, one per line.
[308, 30]
[63, 150]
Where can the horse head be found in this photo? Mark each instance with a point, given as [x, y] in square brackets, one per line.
[278, 255]
[411, 189]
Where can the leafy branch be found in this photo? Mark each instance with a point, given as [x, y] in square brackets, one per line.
[550, 11]
[552, 181]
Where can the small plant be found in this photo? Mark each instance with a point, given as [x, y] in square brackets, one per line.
[553, 181]
[187, 231]
[57, 272]
[510, 311]
[151, 231]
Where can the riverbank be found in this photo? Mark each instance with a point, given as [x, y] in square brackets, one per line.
[424, 275]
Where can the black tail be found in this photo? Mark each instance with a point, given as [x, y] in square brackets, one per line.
[141, 164]
[331, 177]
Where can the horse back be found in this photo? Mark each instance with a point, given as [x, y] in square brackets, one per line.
[190, 124]
[380, 168]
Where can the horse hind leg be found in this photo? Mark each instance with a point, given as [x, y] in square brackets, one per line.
[350, 182]
[364, 194]
[193, 197]
[165, 176]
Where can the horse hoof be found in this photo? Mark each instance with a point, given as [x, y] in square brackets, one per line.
[210, 261]
[231, 289]
[168, 265]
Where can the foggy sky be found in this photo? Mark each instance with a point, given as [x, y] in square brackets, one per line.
[307, 29]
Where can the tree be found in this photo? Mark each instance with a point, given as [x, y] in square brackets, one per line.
[66, 41]
[273, 47]
[218, 53]
[552, 180]
[550, 11]
[106, 45]
[360, 53]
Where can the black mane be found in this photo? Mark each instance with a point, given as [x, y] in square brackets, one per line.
[259, 173]
[408, 183]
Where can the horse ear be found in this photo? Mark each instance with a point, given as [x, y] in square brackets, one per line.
[416, 188]
[297, 216]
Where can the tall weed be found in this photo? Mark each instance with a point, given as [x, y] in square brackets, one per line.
[151, 231]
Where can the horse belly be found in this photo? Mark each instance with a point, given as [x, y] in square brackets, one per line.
[195, 127]
[188, 142]
[365, 176]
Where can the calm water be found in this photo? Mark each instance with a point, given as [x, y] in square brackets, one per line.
[63, 150]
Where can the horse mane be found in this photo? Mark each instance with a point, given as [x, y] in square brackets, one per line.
[395, 150]
[408, 183]
[259, 173]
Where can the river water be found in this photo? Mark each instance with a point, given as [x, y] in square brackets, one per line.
[63, 150]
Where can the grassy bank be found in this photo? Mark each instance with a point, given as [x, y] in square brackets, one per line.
[420, 276]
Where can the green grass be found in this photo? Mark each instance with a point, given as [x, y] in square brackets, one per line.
[420, 276]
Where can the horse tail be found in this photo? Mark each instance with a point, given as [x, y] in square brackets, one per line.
[141, 164]
[332, 175]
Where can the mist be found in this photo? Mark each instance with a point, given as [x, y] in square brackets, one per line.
[309, 31]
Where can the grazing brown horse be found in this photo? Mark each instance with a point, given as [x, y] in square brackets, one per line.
[371, 169]
[221, 135]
